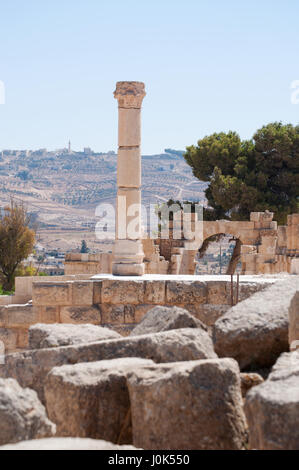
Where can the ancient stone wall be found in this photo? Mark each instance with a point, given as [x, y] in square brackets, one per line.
[117, 303]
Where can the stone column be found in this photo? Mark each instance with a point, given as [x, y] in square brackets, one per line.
[128, 252]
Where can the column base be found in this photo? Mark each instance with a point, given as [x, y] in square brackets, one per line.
[128, 252]
[124, 269]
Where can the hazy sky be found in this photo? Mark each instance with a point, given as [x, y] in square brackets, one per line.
[207, 65]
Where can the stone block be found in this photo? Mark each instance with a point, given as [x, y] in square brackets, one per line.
[141, 310]
[52, 336]
[128, 250]
[128, 269]
[81, 315]
[193, 405]
[208, 313]
[123, 329]
[20, 316]
[92, 399]
[155, 292]
[30, 368]
[293, 219]
[97, 292]
[294, 321]
[164, 319]
[187, 292]
[48, 314]
[122, 293]
[272, 408]
[48, 293]
[82, 293]
[113, 314]
[22, 338]
[218, 293]
[22, 416]
[129, 216]
[129, 127]
[129, 168]
[255, 332]
[129, 311]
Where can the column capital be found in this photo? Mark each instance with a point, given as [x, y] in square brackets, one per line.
[129, 94]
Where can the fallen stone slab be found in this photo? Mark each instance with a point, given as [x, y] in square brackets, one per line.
[272, 409]
[189, 405]
[92, 399]
[255, 332]
[166, 318]
[30, 368]
[294, 322]
[66, 444]
[22, 416]
[43, 336]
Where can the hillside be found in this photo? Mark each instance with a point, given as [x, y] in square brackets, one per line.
[62, 190]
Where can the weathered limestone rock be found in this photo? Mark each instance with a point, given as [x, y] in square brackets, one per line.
[66, 444]
[30, 368]
[22, 416]
[272, 409]
[92, 399]
[166, 318]
[294, 322]
[51, 336]
[207, 313]
[195, 405]
[248, 381]
[287, 361]
[255, 332]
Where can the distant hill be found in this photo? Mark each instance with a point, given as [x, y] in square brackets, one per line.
[63, 189]
[178, 153]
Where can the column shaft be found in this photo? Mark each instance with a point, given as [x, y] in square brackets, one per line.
[128, 252]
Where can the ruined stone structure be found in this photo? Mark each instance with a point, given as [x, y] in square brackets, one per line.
[266, 248]
[193, 363]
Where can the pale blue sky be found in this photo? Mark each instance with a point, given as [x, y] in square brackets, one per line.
[207, 65]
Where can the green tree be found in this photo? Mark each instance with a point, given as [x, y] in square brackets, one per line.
[84, 247]
[16, 242]
[251, 175]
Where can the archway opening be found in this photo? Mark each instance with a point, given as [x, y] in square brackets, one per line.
[219, 254]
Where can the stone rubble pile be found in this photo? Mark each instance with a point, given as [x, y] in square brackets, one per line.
[170, 385]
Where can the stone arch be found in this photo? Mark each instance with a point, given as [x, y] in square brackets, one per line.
[236, 255]
[241, 230]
